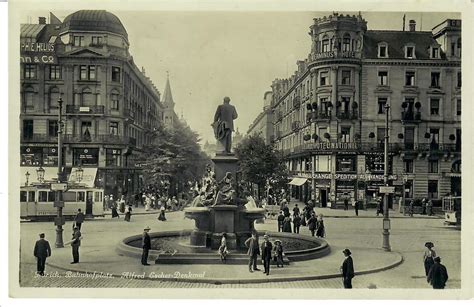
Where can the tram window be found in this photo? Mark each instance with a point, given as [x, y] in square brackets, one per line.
[43, 196]
[97, 196]
[51, 196]
[23, 196]
[81, 196]
[31, 196]
[69, 196]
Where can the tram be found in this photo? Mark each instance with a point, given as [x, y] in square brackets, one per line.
[452, 210]
[37, 202]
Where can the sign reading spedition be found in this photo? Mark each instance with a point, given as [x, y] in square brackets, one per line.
[38, 53]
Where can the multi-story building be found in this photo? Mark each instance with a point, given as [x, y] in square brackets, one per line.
[329, 117]
[110, 107]
[263, 124]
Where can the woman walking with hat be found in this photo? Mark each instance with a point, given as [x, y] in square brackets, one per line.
[347, 269]
[428, 257]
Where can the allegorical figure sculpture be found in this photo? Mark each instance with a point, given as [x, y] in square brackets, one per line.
[224, 125]
[226, 191]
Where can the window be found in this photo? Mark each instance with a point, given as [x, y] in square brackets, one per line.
[81, 196]
[433, 166]
[87, 72]
[52, 128]
[96, 40]
[458, 107]
[42, 196]
[381, 102]
[408, 166]
[323, 78]
[345, 134]
[91, 72]
[83, 73]
[113, 157]
[30, 71]
[409, 189]
[409, 52]
[383, 77]
[434, 106]
[459, 79]
[434, 138]
[88, 99]
[86, 130]
[321, 132]
[115, 74]
[383, 51]
[381, 137]
[23, 196]
[346, 77]
[433, 189]
[435, 53]
[54, 72]
[29, 93]
[453, 49]
[78, 41]
[113, 128]
[27, 128]
[54, 97]
[410, 78]
[435, 79]
[325, 44]
[114, 97]
[31, 196]
[346, 42]
[51, 196]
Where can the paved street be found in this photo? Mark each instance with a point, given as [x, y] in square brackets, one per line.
[364, 234]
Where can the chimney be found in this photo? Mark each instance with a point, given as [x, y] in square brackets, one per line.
[42, 20]
[412, 25]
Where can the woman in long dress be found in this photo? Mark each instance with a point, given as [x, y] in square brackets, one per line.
[287, 224]
[128, 213]
[428, 257]
[114, 211]
[320, 232]
[162, 216]
[223, 248]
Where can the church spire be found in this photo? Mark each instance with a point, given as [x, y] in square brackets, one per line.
[167, 96]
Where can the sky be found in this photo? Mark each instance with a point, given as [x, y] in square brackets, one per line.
[210, 55]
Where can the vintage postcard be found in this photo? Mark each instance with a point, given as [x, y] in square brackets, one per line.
[239, 146]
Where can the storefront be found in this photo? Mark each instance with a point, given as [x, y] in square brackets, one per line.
[322, 189]
[85, 156]
[39, 156]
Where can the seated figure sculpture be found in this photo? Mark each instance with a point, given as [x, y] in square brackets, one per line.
[226, 193]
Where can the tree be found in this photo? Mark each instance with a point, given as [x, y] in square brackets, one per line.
[173, 156]
[261, 163]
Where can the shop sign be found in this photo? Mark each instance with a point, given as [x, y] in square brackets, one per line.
[322, 176]
[364, 177]
[334, 146]
[38, 53]
[335, 54]
[345, 176]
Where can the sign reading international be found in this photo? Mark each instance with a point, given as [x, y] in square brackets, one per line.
[38, 53]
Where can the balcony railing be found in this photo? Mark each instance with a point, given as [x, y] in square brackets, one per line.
[100, 139]
[411, 117]
[347, 115]
[84, 110]
[39, 138]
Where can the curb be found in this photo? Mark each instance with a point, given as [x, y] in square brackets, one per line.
[251, 281]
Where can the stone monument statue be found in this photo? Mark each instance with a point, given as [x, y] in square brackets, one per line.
[224, 125]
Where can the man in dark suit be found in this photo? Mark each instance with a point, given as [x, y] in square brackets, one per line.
[347, 269]
[79, 219]
[41, 252]
[224, 124]
[267, 248]
[146, 245]
[75, 243]
[438, 274]
[253, 252]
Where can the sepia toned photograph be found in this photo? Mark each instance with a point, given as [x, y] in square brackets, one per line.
[309, 149]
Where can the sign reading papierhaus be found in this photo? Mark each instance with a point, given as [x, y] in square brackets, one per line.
[38, 53]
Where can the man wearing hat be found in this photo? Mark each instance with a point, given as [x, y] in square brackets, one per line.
[75, 243]
[438, 274]
[253, 252]
[146, 245]
[267, 248]
[41, 252]
[347, 269]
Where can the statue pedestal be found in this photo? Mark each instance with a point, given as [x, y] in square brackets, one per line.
[224, 163]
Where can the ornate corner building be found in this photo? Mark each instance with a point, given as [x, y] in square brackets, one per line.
[329, 116]
[110, 107]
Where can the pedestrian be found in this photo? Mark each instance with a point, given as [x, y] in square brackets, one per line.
[137, 199]
[321, 230]
[146, 244]
[347, 269]
[297, 223]
[223, 248]
[253, 252]
[429, 208]
[128, 213]
[380, 206]
[106, 203]
[412, 207]
[114, 211]
[423, 206]
[296, 210]
[346, 204]
[121, 203]
[75, 244]
[278, 253]
[111, 201]
[312, 224]
[41, 252]
[428, 257]
[168, 203]
[280, 219]
[356, 207]
[287, 223]
[438, 275]
[162, 216]
[267, 249]
[79, 219]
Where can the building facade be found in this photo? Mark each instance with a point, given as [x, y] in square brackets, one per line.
[329, 116]
[263, 124]
[110, 107]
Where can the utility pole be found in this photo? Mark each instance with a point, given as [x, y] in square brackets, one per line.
[59, 204]
[386, 219]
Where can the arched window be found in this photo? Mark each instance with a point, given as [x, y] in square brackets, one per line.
[346, 42]
[88, 98]
[53, 97]
[325, 44]
[28, 97]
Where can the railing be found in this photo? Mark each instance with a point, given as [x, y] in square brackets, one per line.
[411, 117]
[101, 139]
[39, 138]
[347, 115]
[70, 109]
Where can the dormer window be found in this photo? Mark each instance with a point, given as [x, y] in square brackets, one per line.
[383, 50]
[410, 52]
[346, 42]
[325, 44]
[435, 53]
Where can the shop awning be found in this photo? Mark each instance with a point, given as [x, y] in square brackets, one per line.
[88, 176]
[298, 181]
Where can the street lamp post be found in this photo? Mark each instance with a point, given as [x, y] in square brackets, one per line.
[27, 175]
[386, 219]
[59, 204]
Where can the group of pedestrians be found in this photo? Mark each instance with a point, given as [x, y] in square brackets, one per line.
[308, 218]
[267, 250]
